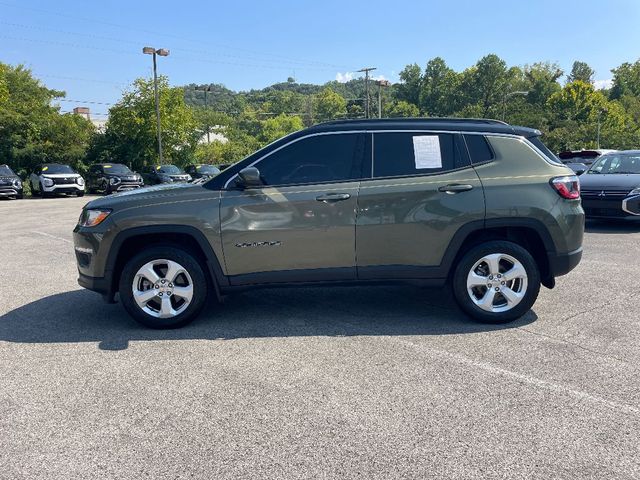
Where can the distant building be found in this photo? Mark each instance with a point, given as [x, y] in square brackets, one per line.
[85, 112]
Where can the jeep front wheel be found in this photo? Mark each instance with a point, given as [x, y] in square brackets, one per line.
[163, 287]
[496, 282]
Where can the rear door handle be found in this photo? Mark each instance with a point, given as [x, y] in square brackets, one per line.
[455, 188]
[333, 197]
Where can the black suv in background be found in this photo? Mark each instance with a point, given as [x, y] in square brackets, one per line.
[164, 174]
[112, 177]
[202, 171]
[10, 183]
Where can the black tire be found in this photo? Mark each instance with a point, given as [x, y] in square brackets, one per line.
[190, 264]
[43, 194]
[464, 266]
[20, 196]
[79, 194]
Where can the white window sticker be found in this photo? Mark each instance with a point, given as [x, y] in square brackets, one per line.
[426, 149]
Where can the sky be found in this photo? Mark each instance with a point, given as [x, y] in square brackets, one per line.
[93, 50]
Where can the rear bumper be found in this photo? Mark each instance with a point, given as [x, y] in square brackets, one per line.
[563, 263]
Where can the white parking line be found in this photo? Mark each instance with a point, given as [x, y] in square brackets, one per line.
[53, 236]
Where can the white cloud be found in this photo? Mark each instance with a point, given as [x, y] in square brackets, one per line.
[344, 77]
[602, 84]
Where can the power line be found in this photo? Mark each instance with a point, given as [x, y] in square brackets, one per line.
[58, 99]
[139, 42]
[164, 34]
[131, 52]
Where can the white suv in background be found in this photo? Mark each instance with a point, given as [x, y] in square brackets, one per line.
[52, 178]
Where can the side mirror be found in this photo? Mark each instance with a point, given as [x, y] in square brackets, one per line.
[580, 171]
[249, 177]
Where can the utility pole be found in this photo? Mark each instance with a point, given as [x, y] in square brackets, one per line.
[205, 90]
[381, 83]
[366, 83]
[163, 53]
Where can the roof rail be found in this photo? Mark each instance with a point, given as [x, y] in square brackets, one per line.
[420, 119]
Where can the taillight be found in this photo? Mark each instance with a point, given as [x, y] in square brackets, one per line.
[567, 187]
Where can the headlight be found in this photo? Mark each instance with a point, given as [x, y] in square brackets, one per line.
[92, 217]
[165, 178]
[80, 181]
[635, 191]
[189, 178]
[17, 183]
[47, 182]
[114, 180]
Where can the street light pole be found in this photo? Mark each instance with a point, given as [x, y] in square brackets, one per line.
[381, 83]
[504, 102]
[163, 53]
[600, 112]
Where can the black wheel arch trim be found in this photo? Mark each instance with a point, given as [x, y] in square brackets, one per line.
[213, 263]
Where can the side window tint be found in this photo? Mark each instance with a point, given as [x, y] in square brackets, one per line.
[479, 149]
[404, 153]
[318, 159]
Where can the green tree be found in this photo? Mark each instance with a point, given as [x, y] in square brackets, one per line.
[31, 130]
[279, 126]
[131, 129]
[486, 83]
[581, 71]
[401, 109]
[626, 80]
[439, 94]
[328, 105]
[410, 85]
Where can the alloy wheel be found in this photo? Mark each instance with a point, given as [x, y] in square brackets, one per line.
[162, 288]
[497, 282]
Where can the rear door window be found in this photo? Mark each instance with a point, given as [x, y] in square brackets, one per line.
[415, 153]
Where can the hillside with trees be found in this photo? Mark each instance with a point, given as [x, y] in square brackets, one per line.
[566, 106]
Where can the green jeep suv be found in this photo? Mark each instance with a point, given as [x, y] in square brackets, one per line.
[478, 205]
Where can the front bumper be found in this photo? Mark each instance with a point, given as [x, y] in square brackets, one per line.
[64, 188]
[612, 208]
[124, 186]
[10, 191]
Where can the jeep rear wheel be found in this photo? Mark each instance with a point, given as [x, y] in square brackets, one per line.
[163, 287]
[496, 282]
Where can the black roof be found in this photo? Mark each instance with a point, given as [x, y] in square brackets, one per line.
[435, 123]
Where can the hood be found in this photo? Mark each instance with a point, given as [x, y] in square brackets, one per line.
[616, 181]
[123, 176]
[60, 175]
[149, 195]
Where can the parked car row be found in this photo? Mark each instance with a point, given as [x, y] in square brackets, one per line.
[51, 179]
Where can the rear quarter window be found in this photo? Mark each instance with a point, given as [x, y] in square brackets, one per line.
[479, 149]
[513, 149]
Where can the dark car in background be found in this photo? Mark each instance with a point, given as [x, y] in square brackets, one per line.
[109, 178]
[580, 160]
[610, 188]
[10, 183]
[164, 174]
[204, 171]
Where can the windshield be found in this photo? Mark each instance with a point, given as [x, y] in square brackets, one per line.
[6, 171]
[55, 168]
[116, 168]
[616, 164]
[170, 169]
[207, 169]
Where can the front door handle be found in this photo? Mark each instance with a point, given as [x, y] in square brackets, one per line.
[333, 197]
[455, 188]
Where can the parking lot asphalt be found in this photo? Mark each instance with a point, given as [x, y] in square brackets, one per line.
[358, 382]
